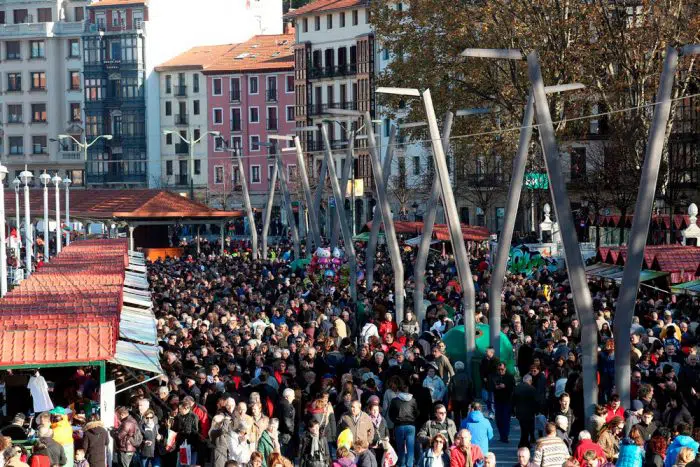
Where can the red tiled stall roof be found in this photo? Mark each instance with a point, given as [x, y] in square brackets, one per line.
[325, 6]
[440, 231]
[68, 310]
[682, 262]
[122, 204]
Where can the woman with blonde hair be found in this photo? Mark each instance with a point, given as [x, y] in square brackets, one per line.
[685, 456]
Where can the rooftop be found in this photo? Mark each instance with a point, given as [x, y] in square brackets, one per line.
[118, 3]
[320, 6]
[198, 58]
[262, 52]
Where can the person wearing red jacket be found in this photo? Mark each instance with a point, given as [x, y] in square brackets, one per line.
[615, 409]
[586, 444]
[388, 325]
[202, 416]
[464, 453]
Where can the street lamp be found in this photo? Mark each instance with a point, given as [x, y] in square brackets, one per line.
[59, 237]
[26, 176]
[45, 180]
[84, 146]
[190, 141]
[66, 183]
[3, 249]
[16, 183]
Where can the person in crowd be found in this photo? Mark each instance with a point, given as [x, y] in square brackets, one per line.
[550, 450]
[683, 439]
[269, 441]
[631, 450]
[15, 430]
[365, 457]
[585, 444]
[358, 422]
[57, 456]
[464, 453]
[40, 455]
[501, 385]
[126, 437]
[524, 458]
[403, 412]
[479, 427]
[436, 455]
[438, 425]
[13, 457]
[525, 408]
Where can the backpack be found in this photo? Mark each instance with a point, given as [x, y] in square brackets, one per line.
[137, 439]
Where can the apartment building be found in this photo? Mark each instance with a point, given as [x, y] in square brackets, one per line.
[42, 97]
[250, 97]
[334, 66]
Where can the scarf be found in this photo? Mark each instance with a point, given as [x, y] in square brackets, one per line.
[314, 445]
[468, 455]
[376, 420]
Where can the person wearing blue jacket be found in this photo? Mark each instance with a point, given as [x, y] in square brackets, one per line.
[479, 426]
[631, 452]
[683, 440]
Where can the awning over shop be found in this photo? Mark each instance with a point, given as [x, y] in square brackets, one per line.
[692, 287]
[139, 325]
[415, 241]
[138, 356]
[364, 237]
[614, 273]
[135, 300]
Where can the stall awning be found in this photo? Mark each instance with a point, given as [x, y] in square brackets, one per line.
[415, 241]
[614, 273]
[139, 325]
[135, 300]
[138, 356]
[692, 287]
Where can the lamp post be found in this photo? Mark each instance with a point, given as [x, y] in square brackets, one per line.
[3, 249]
[191, 141]
[16, 183]
[84, 146]
[45, 180]
[59, 236]
[26, 176]
[67, 182]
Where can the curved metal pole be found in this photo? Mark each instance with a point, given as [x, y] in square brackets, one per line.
[268, 211]
[512, 202]
[288, 205]
[310, 209]
[455, 228]
[340, 213]
[574, 262]
[67, 189]
[47, 235]
[29, 242]
[343, 186]
[59, 239]
[640, 228]
[248, 208]
[389, 231]
[319, 192]
[3, 223]
[428, 224]
[371, 251]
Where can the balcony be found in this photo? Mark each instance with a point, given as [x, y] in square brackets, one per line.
[348, 69]
[322, 109]
[180, 90]
[68, 28]
[181, 119]
[115, 178]
[181, 148]
[112, 65]
[24, 29]
[235, 95]
[484, 180]
[272, 124]
[271, 95]
[71, 155]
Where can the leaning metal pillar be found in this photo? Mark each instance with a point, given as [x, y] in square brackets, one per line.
[340, 204]
[389, 231]
[288, 205]
[268, 211]
[248, 209]
[371, 252]
[574, 262]
[640, 228]
[318, 197]
[223, 238]
[455, 228]
[340, 213]
[310, 208]
[427, 236]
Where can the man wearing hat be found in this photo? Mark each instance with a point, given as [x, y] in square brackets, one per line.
[15, 430]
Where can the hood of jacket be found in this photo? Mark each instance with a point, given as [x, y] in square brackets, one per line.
[475, 416]
[95, 424]
[685, 442]
[404, 396]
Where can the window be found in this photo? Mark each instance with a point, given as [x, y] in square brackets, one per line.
[272, 118]
[387, 127]
[94, 50]
[385, 54]
[169, 139]
[75, 112]
[341, 19]
[16, 144]
[44, 15]
[290, 113]
[195, 82]
[14, 113]
[253, 85]
[216, 84]
[305, 25]
[329, 21]
[74, 79]
[218, 144]
[38, 81]
[218, 174]
[255, 143]
[74, 48]
[39, 113]
[197, 167]
[20, 16]
[317, 23]
[270, 170]
[168, 108]
[94, 89]
[129, 49]
[254, 115]
[195, 107]
[38, 49]
[137, 16]
[237, 142]
[78, 13]
[168, 84]
[355, 17]
[12, 50]
[168, 167]
[2, 17]
[236, 120]
[132, 87]
[292, 171]
[235, 84]
[218, 116]
[39, 144]
[290, 84]
[14, 82]
[416, 165]
[197, 133]
[254, 174]
[578, 164]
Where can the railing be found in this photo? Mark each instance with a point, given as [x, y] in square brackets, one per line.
[322, 109]
[333, 71]
[117, 177]
[180, 90]
[180, 119]
[181, 148]
[271, 95]
[24, 29]
[112, 65]
[318, 145]
[272, 124]
[71, 155]
[235, 95]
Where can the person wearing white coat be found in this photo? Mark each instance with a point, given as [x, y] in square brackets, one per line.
[435, 384]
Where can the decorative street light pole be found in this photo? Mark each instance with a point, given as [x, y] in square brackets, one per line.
[45, 180]
[190, 142]
[84, 146]
[3, 248]
[67, 182]
[59, 236]
[16, 183]
[26, 176]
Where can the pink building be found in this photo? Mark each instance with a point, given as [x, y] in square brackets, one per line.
[250, 96]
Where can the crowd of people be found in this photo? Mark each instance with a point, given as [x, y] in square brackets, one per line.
[266, 365]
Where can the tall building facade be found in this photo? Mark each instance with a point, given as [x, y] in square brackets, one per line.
[42, 97]
[334, 66]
